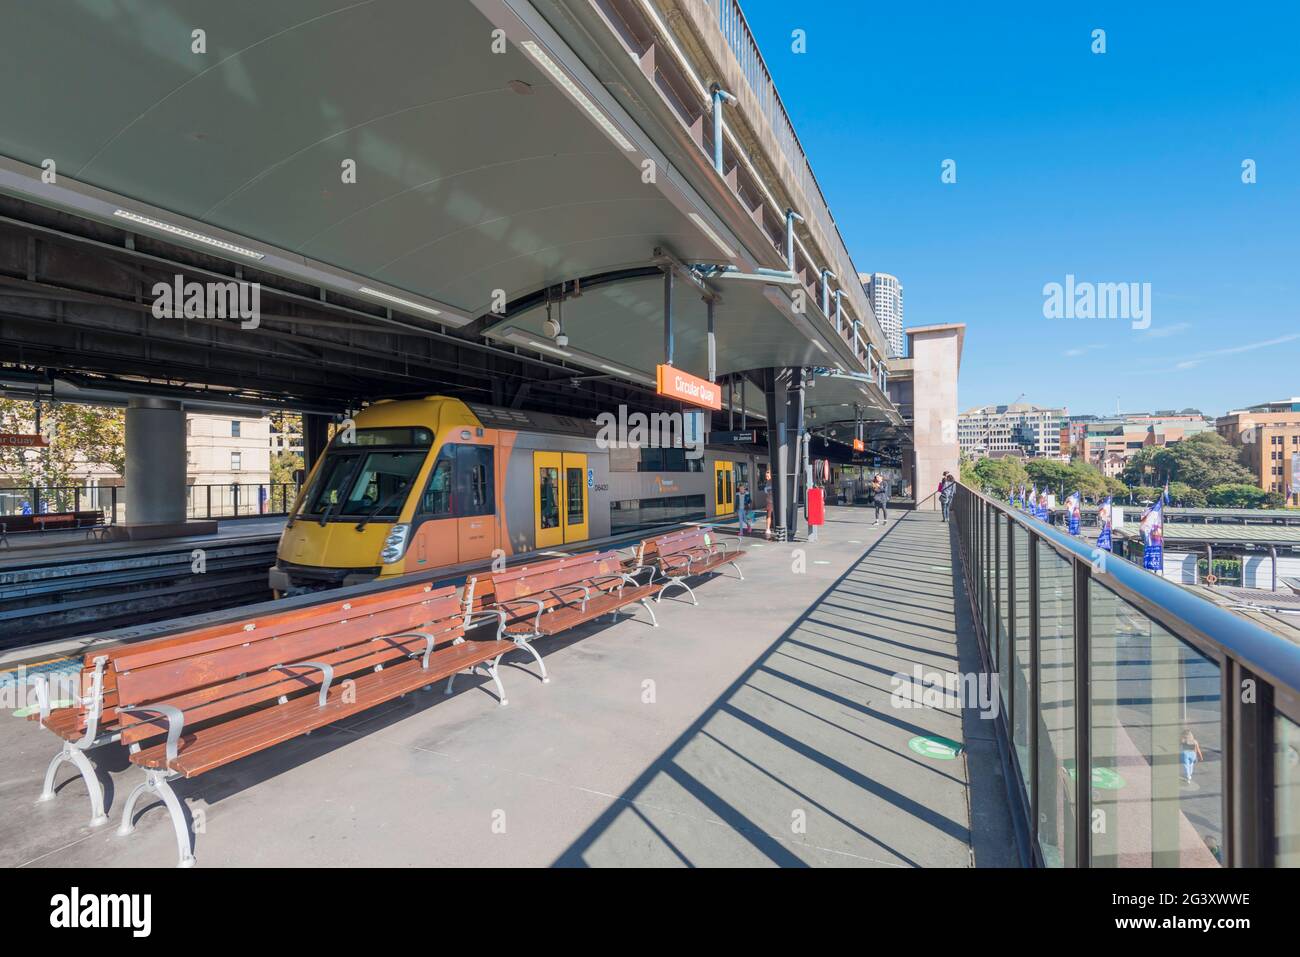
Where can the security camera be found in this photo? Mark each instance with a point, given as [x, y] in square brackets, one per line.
[561, 340]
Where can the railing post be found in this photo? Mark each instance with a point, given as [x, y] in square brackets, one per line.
[1082, 717]
[1035, 688]
[1011, 664]
[209, 488]
[1248, 776]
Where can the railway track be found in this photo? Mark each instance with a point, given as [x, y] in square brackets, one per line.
[56, 598]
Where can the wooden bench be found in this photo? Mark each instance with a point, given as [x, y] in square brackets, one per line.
[188, 703]
[678, 556]
[543, 599]
[92, 520]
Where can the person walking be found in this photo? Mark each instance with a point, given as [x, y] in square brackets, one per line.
[947, 489]
[1191, 753]
[880, 496]
[767, 494]
[742, 507]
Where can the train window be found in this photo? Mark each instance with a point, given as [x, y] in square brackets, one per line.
[548, 485]
[332, 482]
[719, 496]
[381, 483]
[576, 488]
[668, 460]
[436, 499]
[474, 483]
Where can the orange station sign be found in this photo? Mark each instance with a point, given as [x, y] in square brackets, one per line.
[22, 441]
[675, 384]
[859, 445]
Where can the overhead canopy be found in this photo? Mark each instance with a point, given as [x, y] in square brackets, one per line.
[484, 170]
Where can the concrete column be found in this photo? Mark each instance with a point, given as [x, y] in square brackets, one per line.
[795, 436]
[155, 461]
[780, 449]
[315, 436]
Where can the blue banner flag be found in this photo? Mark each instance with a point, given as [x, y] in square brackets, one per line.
[1105, 519]
[1074, 512]
[1153, 537]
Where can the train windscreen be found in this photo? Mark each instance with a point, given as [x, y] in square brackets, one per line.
[370, 476]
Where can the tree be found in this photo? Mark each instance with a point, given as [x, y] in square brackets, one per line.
[1184, 496]
[999, 476]
[285, 463]
[1048, 473]
[1242, 496]
[81, 437]
[1200, 462]
[1206, 460]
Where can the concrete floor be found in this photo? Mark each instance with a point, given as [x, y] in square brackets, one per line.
[755, 729]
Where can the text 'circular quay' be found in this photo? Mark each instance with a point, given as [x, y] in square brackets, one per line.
[485, 434]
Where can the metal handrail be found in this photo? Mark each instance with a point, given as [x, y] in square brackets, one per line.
[740, 38]
[1008, 604]
[1179, 610]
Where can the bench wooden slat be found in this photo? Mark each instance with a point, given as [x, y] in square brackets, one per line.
[231, 697]
[205, 749]
[142, 685]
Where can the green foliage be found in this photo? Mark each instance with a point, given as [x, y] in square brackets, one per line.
[1235, 495]
[1201, 462]
[999, 476]
[1184, 496]
[81, 437]
[284, 463]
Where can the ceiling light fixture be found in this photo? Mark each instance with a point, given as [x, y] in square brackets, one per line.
[187, 234]
[398, 300]
[550, 66]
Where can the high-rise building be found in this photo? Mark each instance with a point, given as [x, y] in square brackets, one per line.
[1269, 437]
[886, 295]
[1016, 429]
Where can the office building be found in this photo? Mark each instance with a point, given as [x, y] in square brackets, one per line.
[1016, 429]
[886, 295]
[1269, 438]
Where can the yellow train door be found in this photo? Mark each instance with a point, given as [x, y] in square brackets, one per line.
[548, 499]
[575, 497]
[724, 489]
[559, 498]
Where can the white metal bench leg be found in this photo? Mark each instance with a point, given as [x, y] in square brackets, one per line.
[646, 604]
[155, 782]
[492, 670]
[528, 647]
[77, 758]
[676, 581]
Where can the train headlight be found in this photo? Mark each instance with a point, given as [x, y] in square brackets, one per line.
[395, 544]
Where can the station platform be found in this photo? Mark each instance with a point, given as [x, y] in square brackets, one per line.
[71, 545]
[754, 729]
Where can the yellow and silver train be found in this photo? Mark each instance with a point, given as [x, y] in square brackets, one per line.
[430, 484]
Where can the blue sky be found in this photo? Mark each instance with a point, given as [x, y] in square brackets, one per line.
[1115, 167]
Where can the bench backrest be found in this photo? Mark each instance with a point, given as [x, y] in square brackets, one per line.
[217, 670]
[541, 580]
[28, 523]
[677, 542]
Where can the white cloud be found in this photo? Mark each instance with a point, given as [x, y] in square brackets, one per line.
[1192, 361]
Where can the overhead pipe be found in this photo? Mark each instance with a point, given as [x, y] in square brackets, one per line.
[791, 217]
[720, 96]
[827, 275]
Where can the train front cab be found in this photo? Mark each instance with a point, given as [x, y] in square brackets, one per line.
[358, 517]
